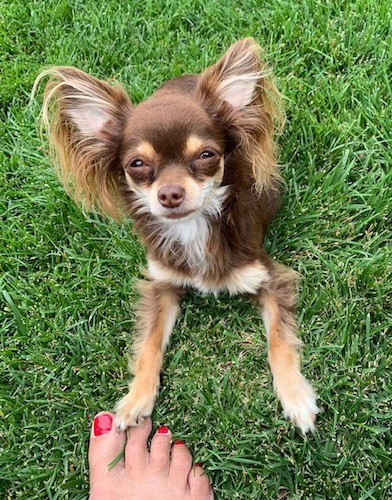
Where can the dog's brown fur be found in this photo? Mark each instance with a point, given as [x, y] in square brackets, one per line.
[195, 167]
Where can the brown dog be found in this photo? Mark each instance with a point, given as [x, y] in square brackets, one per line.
[194, 165]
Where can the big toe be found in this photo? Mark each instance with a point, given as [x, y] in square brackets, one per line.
[106, 443]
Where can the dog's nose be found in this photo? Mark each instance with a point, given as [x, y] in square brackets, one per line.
[171, 196]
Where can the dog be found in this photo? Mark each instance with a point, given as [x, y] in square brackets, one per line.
[195, 167]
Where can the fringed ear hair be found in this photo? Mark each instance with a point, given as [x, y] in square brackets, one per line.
[85, 117]
[238, 89]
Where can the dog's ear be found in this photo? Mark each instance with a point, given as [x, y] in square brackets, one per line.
[238, 91]
[235, 78]
[85, 118]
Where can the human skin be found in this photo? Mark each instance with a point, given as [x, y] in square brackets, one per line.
[165, 471]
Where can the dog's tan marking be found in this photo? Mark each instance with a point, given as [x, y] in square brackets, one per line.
[146, 149]
[193, 145]
[219, 175]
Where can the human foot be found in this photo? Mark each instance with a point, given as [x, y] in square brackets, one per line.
[165, 472]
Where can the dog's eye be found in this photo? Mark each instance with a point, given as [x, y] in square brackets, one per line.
[206, 154]
[137, 163]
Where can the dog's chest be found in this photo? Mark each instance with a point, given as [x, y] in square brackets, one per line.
[185, 259]
[185, 243]
[246, 279]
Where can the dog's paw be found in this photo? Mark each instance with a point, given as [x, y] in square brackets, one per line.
[132, 408]
[298, 400]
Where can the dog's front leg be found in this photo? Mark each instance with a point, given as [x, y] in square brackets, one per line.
[157, 314]
[296, 394]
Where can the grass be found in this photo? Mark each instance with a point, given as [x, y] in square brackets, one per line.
[67, 280]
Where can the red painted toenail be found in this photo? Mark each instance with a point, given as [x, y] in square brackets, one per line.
[198, 464]
[163, 430]
[102, 424]
[178, 442]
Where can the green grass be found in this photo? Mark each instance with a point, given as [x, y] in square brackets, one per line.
[67, 280]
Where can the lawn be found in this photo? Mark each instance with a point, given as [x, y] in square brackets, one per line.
[67, 279]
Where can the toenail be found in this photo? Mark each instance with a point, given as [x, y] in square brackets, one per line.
[102, 424]
[179, 442]
[163, 430]
[198, 464]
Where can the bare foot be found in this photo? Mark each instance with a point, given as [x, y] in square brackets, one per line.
[165, 472]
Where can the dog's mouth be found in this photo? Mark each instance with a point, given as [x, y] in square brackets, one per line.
[178, 215]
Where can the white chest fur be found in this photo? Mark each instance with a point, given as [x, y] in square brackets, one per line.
[246, 279]
[192, 235]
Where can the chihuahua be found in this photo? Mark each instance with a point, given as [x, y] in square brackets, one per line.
[195, 167]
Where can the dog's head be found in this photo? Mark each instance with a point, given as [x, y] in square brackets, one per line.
[167, 156]
[173, 156]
